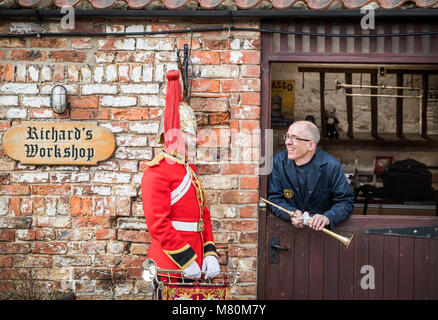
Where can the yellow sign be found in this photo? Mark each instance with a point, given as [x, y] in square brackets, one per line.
[59, 143]
[282, 101]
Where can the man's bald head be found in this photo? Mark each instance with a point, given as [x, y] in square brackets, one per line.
[309, 128]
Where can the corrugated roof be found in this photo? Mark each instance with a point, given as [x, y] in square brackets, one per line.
[239, 4]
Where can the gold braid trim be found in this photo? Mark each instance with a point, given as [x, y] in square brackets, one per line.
[199, 187]
[156, 160]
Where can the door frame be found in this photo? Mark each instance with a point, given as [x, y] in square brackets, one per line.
[269, 56]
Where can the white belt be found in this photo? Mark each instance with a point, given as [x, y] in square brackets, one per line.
[188, 226]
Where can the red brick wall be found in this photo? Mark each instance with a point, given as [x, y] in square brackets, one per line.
[82, 229]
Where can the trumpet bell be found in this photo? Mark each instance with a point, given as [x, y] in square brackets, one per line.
[150, 270]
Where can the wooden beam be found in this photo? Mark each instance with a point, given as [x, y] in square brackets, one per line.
[423, 114]
[374, 115]
[349, 101]
[322, 103]
[399, 110]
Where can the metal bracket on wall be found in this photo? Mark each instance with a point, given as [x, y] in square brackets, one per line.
[430, 232]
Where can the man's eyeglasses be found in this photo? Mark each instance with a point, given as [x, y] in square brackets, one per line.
[294, 138]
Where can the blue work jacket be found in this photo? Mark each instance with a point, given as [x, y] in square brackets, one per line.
[328, 191]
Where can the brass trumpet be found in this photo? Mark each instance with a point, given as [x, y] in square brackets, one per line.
[346, 241]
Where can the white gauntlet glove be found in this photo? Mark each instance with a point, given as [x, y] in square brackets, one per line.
[192, 271]
[210, 266]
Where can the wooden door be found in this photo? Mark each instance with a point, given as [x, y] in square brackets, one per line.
[317, 266]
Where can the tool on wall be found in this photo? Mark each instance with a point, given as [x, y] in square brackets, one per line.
[186, 69]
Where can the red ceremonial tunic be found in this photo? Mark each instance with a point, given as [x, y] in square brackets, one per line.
[171, 248]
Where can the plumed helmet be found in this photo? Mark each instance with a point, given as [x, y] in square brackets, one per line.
[177, 113]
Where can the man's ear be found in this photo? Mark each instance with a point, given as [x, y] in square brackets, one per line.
[312, 145]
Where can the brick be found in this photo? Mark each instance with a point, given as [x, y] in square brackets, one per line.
[250, 98]
[119, 101]
[236, 196]
[116, 44]
[219, 119]
[132, 223]
[249, 182]
[68, 56]
[219, 71]
[74, 234]
[58, 73]
[214, 137]
[133, 236]
[72, 73]
[139, 88]
[9, 72]
[155, 44]
[83, 114]
[111, 177]
[205, 57]
[250, 71]
[48, 43]
[33, 262]
[71, 261]
[240, 85]
[102, 222]
[210, 44]
[84, 102]
[15, 222]
[19, 88]
[241, 169]
[242, 252]
[90, 89]
[28, 55]
[26, 234]
[205, 86]
[239, 225]
[50, 190]
[29, 177]
[53, 222]
[106, 234]
[14, 189]
[245, 113]
[6, 262]
[131, 140]
[240, 57]
[35, 102]
[130, 114]
[63, 177]
[81, 44]
[7, 235]
[15, 248]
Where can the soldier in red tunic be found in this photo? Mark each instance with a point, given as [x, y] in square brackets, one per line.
[174, 198]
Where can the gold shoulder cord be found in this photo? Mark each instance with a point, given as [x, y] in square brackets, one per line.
[200, 191]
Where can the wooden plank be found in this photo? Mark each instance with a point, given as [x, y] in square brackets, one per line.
[403, 41]
[421, 271]
[388, 40]
[286, 284]
[284, 37]
[346, 271]
[390, 267]
[349, 102]
[343, 40]
[322, 103]
[273, 270]
[331, 268]
[399, 107]
[361, 258]
[423, 114]
[433, 267]
[328, 40]
[316, 265]
[301, 263]
[313, 45]
[374, 124]
[376, 256]
[406, 268]
[298, 38]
